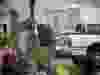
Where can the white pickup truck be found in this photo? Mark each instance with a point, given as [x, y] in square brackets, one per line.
[79, 40]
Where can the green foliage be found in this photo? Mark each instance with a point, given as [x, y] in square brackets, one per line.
[71, 69]
[7, 39]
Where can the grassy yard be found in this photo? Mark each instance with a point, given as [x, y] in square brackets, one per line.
[41, 54]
